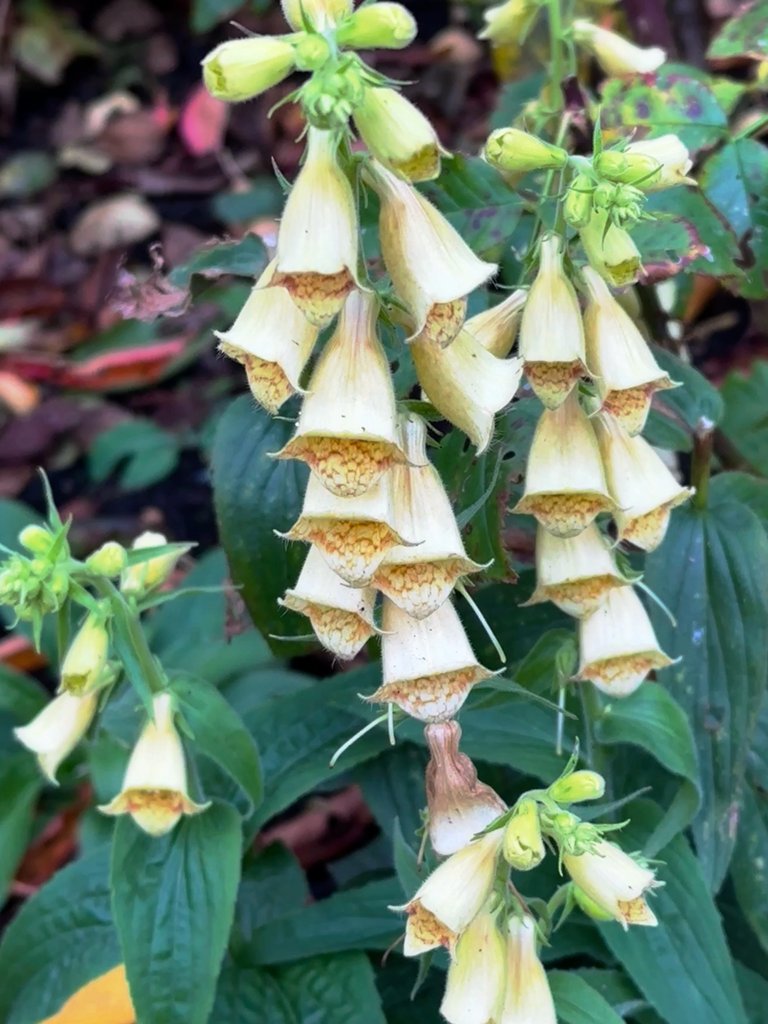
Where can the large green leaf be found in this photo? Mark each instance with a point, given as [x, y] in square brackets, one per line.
[61, 939]
[710, 572]
[745, 35]
[173, 901]
[750, 861]
[20, 785]
[393, 787]
[254, 496]
[336, 989]
[577, 1002]
[745, 423]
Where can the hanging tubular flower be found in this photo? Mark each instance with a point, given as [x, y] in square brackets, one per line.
[474, 988]
[341, 616]
[643, 488]
[610, 250]
[320, 14]
[398, 134]
[347, 429]
[380, 26]
[154, 789]
[575, 573]
[616, 882]
[459, 804]
[650, 164]
[431, 266]
[317, 244]
[517, 152]
[508, 23]
[240, 69]
[551, 332]
[428, 666]
[54, 733]
[496, 328]
[466, 383]
[523, 846]
[352, 534]
[565, 485]
[618, 645]
[419, 578]
[625, 372]
[86, 658]
[272, 339]
[528, 998]
[616, 55]
[452, 896]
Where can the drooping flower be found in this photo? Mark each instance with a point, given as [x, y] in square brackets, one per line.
[616, 882]
[523, 846]
[528, 998]
[475, 985]
[398, 135]
[54, 733]
[610, 250]
[508, 23]
[240, 69]
[86, 657]
[615, 54]
[496, 327]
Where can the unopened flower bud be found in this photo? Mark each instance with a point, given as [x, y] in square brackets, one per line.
[243, 68]
[523, 845]
[578, 203]
[154, 789]
[108, 560]
[380, 26]
[86, 657]
[141, 577]
[616, 55]
[610, 250]
[496, 327]
[650, 164]
[517, 152]
[398, 134]
[616, 882]
[333, 92]
[575, 573]
[311, 51]
[477, 975]
[315, 14]
[460, 806]
[528, 997]
[588, 905]
[55, 732]
[508, 23]
[36, 539]
[578, 786]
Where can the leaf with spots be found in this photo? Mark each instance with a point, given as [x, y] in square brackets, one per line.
[745, 35]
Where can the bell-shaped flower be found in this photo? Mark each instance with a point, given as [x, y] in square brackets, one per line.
[575, 573]
[507, 24]
[460, 806]
[140, 578]
[352, 534]
[466, 383]
[240, 69]
[347, 429]
[341, 616]
[615, 54]
[398, 135]
[380, 26]
[318, 14]
[616, 882]
[565, 487]
[518, 152]
[474, 987]
[610, 250]
[625, 372]
[428, 666]
[643, 488]
[650, 164]
[420, 577]
[496, 327]
[551, 332]
[86, 657]
[523, 845]
[528, 998]
[452, 896]
[431, 266]
[54, 733]
[273, 340]
[154, 789]
[618, 646]
[317, 245]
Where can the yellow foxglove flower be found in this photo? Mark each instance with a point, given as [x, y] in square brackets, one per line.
[474, 987]
[55, 732]
[154, 789]
[551, 332]
[428, 666]
[643, 488]
[466, 383]
[578, 786]
[523, 845]
[431, 266]
[618, 646]
[575, 573]
[565, 486]
[528, 998]
[240, 69]
[459, 804]
[341, 616]
[347, 430]
[452, 896]
[273, 340]
[398, 134]
[379, 26]
[352, 534]
[516, 152]
[317, 244]
[420, 577]
[496, 328]
[108, 560]
[651, 164]
[615, 54]
[508, 23]
[142, 577]
[610, 250]
[320, 14]
[86, 659]
[615, 882]
[625, 372]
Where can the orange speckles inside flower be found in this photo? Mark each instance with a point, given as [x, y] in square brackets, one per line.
[424, 931]
[419, 588]
[444, 321]
[553, 382]
[267, 380]
[342, 632]
[649, 530]
[623, 674]
[318, 296]
[346, 466]
[434, 698]
[636, 912]
[581, 597]
[353, 549]
[564, 515]
[630, 406]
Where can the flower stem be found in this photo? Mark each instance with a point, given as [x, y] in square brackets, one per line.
[703, 443]
[557, 68]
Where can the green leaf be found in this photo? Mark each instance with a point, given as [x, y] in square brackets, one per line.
[748, 490]
[218, 732]
[254, 497]
[577, 1002]
[272, 886]
[265, 198]
[754, 992]
[695, 398]
[332, 990]
[173, 901]
[147, 454]
[745, 423]
[21, 696]
[20, 785]
[750, 863]
[682, 967]
[710, 572]
[393, 787]
[245, 258]
[250, 995]
[744, 35]
[61, 939]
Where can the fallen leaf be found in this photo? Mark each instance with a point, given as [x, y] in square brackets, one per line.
[113, 223]
[203, 122]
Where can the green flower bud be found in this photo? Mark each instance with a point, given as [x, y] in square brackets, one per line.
[86, 658]
[610, 250]
[242, 68]
[523, 846]
[578, 786]
[312, 51]
[588, 905]
[333, 93]
[140, 578]
[381, 26]
[577, 207]
[319, 14]
[516, 151]
[108, 560]
[36, 539]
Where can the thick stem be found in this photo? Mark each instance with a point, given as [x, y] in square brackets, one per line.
[703, 444]
[557, 67]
